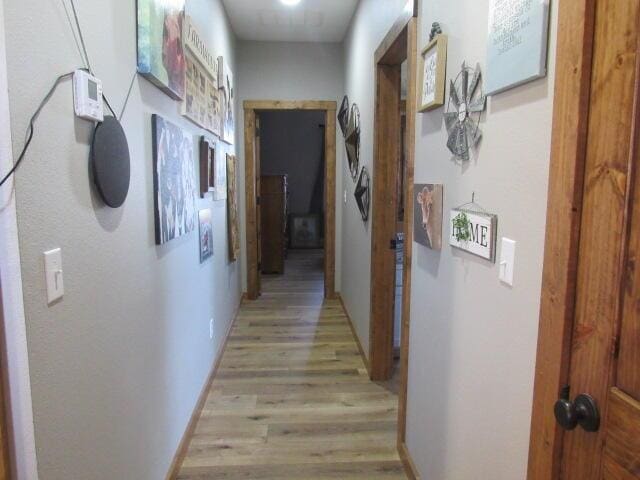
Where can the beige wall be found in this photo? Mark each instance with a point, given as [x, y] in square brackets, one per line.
[473, 339]
[117, 365]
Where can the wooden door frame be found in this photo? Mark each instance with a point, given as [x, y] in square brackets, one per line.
[251, 107]
[564, 213]
[400, 43]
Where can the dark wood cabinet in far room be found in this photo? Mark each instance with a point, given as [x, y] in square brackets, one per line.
[273, 210]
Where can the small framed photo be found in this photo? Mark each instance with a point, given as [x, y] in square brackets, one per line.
[207, 166]
[206, 234]
[433, 72]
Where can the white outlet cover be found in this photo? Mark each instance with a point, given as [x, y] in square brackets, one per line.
[211, 329]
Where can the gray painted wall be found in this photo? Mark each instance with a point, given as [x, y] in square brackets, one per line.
[473, 339]
[291, 144]
[117, 365]
[290, 71]
[372, 21]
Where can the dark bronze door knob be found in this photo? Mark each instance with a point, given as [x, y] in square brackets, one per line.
[582, 411]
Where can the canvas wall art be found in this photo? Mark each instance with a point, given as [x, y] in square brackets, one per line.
[427, 226]
[517, 43]
[206, 234]
[232, 209]
[202, 96]
[227, 92]
[220, 184]
[174, 179]
[161, 57]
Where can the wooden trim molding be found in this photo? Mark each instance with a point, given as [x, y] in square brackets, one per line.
[412, 68]
[251, 107]
[290, 105]
[409, 467]
[564, 212]
[183, 446]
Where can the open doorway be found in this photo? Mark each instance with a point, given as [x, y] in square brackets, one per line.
[392, 209]
[292, 210]
[290, 183]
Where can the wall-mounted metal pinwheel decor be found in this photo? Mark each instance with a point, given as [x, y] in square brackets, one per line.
[352, 140]
[363, 193]
[343, 115]
[467, 101]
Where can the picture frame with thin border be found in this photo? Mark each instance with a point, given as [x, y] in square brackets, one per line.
[433, 73]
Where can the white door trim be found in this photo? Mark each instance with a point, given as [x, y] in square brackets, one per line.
[23, 440]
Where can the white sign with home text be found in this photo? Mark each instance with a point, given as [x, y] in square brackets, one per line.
[480, 236]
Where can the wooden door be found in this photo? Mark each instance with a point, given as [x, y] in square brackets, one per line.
[274, 218]
[257, 149]
[605, 347]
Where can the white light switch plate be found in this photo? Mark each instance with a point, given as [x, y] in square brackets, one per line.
[345, 197]
[53, 275]
[507, 260]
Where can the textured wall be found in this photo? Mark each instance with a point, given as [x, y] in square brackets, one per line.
[291, 71]
[291, 144]
[117, 365]
[372, 21]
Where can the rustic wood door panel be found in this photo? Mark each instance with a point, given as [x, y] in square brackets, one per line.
[605, 348]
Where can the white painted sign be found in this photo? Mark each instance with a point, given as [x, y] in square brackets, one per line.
[482, 233]
[517, 43]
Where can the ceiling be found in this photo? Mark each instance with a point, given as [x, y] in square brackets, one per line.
[309, 21]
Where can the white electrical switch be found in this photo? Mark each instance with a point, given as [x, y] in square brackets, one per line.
[507, 260]
[345, 197]
[53, 274]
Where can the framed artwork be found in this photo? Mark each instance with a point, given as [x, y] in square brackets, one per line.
[305, 231]
[220, 184]
[352, 141]
[161, 57]
[225, 81]
[427, 224]
[433, 72]
[517, 43]
[474, 232]
[174, 180]
[201, 102]
[206, 234]
[232, 209]
[207, 166]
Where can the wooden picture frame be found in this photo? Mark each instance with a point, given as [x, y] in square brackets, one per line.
[207, 166]
[433, 81]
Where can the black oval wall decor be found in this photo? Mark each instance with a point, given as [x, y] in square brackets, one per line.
[111, 162]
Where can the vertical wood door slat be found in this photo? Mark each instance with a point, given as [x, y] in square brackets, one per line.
[603, 226]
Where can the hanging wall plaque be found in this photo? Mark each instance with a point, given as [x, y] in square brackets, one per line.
[352, 141]
[474, 232]
[363, 193]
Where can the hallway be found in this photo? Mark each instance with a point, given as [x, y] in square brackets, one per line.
[292, 398]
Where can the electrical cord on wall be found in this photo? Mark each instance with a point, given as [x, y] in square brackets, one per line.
[31, 128]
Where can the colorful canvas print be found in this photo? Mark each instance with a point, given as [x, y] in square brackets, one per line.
[232, 209]
[427, 228]
[206, 234]
[174, 178]
[161, 57]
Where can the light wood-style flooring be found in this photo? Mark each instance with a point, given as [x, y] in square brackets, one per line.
[292, 399]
